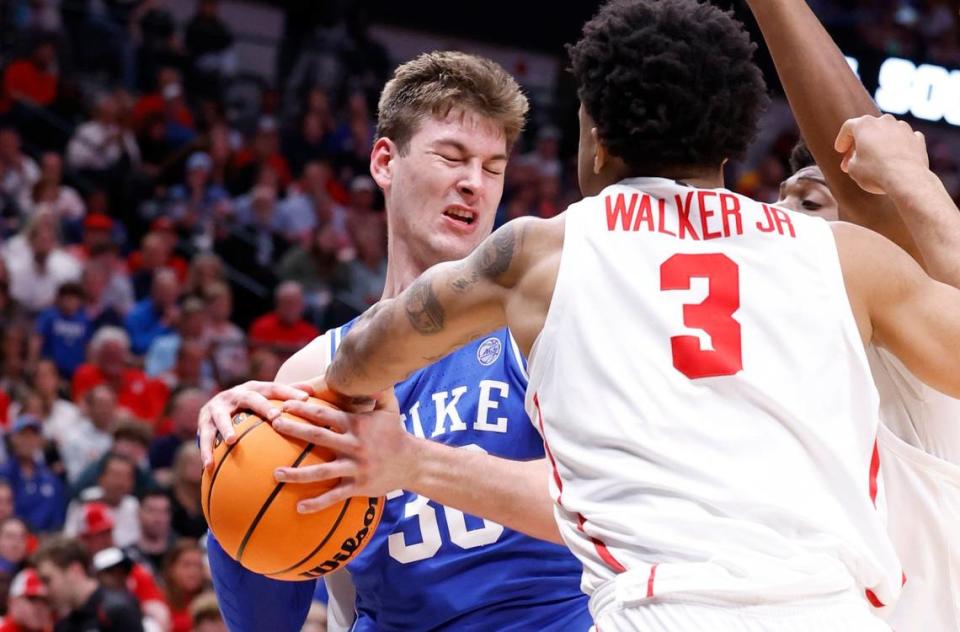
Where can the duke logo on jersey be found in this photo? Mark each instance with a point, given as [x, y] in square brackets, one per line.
[431, 566]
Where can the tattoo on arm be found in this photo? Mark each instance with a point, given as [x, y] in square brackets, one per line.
[423, 308]
[491, 260]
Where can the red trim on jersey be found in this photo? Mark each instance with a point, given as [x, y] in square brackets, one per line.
[653, 574]
[602, 549]
[874, 470]
[546, 448]
[872, 598]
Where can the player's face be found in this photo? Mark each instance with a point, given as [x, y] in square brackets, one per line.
[442, 192]
[807, 192]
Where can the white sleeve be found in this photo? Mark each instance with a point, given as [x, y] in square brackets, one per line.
[341, 605]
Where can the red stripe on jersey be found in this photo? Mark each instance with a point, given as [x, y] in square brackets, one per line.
[653, 574]
[546, 448]
[872, 598]
[874, 470]
[601, 548]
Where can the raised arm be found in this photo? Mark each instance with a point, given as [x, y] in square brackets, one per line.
[448, 306]
[884, 155]
[824, 92]
[900, 308]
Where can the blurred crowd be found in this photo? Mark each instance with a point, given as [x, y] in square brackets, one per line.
[171, 227]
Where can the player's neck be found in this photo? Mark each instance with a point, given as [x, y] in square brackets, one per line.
[402, 270]
[700, 177]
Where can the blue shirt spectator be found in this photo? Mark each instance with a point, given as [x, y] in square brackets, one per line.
[154, 316]
[38, 494]
[65, 330]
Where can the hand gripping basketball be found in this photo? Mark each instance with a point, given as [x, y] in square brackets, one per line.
[255, 518]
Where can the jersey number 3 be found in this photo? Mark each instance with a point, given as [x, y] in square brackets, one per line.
[714, 315]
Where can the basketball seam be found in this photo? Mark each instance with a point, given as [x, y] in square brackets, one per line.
[333, 529]
[224, 460]
[267, 503]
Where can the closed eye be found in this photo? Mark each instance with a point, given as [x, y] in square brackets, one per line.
[811, 206]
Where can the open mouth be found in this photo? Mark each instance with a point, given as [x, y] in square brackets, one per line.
[461, 215]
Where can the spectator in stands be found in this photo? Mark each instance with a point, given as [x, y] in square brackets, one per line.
[157, 315]
[197, 204]
[58, 414]
[188, 520]
[109, 349]
[156, 532]
[310, 205]
[310, 141]
[102, 145]
[65, 329]
[33, 81]
[360, 280]
[38, 495]
[264, 150]
[544, 160]
[116, 569]
[183, 576]
[156, 251]
[39, 266]
[49, 193]
[209, 43]
[162, 355]
[184, 410]
[363, 195]
[205, 614]
[28, 606]
[131, 440]
[228, 346]
[167, 101]
[108, 294]
[64, 567]
[206, 269]
[98, 233]
[14, 540]
[314, 267]
[192, 369]
[18, 175]
[111, 497]
[92, 436]
[354, 137]
[284, 330]
[264, 364]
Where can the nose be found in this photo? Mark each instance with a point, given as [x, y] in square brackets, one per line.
[470, 184]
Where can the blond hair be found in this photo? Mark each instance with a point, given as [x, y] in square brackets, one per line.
[438, 82]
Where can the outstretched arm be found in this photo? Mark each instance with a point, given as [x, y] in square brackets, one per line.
[885, 156]
[449, 305]
[823, 93]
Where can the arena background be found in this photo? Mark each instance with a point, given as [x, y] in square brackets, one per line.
[230, 150]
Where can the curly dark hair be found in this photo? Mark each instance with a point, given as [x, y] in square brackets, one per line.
[800, 157]
[669, 83]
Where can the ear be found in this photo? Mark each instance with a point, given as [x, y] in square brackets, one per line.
[599, 152]
[381, 162]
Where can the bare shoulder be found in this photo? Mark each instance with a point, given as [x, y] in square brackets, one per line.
[308, 363]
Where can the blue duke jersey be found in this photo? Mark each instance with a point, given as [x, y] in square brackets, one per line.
[429, 566]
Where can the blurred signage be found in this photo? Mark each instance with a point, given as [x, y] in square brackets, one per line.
[925, 91]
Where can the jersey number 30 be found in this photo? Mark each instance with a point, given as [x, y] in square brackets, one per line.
[714, 315]
[431, 541]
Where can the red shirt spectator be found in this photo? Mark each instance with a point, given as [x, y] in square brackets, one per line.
[31, 79]
[27, 607]
[144, 397]
[284, 330]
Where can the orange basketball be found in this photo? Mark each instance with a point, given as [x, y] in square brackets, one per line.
[255, 518]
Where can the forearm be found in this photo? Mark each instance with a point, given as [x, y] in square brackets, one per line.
[512, 493]
[934, 223]
[823, 93]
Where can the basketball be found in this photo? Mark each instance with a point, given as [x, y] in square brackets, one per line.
[255, 518]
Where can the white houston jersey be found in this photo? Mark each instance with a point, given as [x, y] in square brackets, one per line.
[919, 449]
[705, 398]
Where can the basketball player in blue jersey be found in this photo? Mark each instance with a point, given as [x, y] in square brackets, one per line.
[456, 442]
